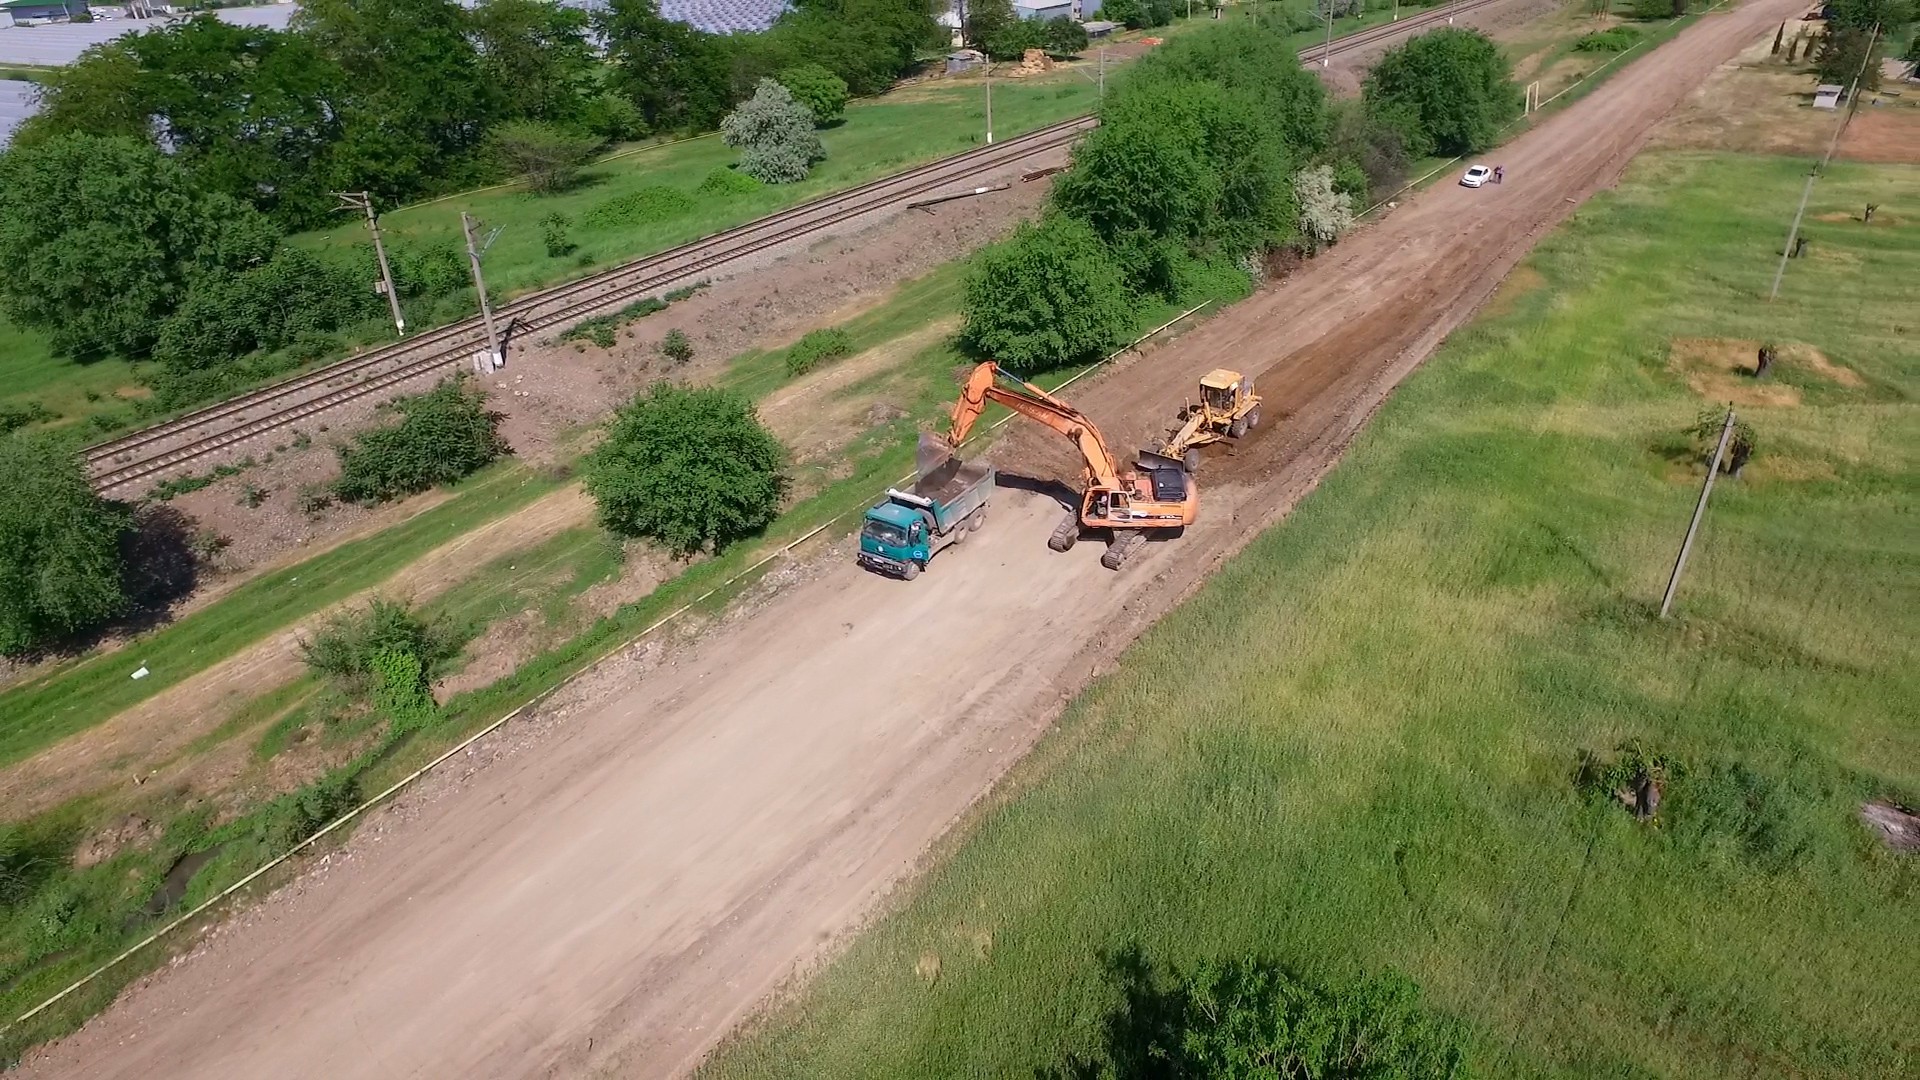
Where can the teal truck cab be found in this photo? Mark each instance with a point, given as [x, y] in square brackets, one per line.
[901, 534]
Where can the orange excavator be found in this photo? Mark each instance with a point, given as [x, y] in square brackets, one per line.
[1155, 496]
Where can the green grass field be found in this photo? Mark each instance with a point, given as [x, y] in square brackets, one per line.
[1356, 749]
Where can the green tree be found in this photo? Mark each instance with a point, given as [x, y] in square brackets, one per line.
[548, 158]
[1013, 38]
[689, 468]
[420, 105]
[1888, 15]
[987, 20]
[118, 233]
[60, 563]
[1452, 88]
[774, 134]
[676, 75]
[443, 435]
[869, 43]
[1064, 37]
[1846, 54]
[1049, 295]
[821, 91]
[251, 112]
[536, 58]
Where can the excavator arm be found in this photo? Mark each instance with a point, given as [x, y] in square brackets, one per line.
[1035, 404]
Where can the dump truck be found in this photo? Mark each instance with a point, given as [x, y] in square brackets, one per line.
[1154, 495]
[948, 500]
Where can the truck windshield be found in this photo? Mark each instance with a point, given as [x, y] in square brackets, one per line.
[886, 535]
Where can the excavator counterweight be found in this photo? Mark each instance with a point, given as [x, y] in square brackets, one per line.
[1151, 495]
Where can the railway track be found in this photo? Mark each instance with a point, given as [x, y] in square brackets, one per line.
[145, 455]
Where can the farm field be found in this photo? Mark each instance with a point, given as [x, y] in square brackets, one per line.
[1358, 748]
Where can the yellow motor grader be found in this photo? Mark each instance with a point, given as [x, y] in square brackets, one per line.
[1228, 409]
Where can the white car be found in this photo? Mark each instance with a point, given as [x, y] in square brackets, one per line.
[1476, 176]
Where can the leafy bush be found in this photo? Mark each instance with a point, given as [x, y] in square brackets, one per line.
[349, 646]
[443, 435]
[1248, 1018]
[821, 91]
[818, 347]
[1449, 90]
[264, 308]
[295, 816]
[602, 329]
[15, 417]
[676, 347]
[1049, 295]
[613, 117]
[553, 234]
[1741, 445]
[1653, 10]
[774, 134]
[548, 158]
[60, 561]
[643, 207]
[1618, 39]
[437, 269]
[689, 468]
[728, 182]
[1325, 213]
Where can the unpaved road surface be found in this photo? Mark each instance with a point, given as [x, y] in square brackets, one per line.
[613, 898]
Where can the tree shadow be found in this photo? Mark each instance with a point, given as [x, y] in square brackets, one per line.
[161, 567]
[1145, 1017]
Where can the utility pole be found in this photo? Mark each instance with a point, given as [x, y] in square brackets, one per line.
[360, 200]
[495, 359]
[1853, 102]
[1699, 511]
[989, 79]
[1103, 71]
[1326, 54]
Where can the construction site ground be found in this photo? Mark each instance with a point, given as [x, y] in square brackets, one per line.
[615, 895]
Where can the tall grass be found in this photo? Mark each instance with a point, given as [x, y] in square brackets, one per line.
[1358, 747]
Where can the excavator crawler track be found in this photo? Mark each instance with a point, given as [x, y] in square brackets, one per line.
[1065, 533]
[1122, 548]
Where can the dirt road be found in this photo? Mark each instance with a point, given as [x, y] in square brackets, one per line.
[613, 898]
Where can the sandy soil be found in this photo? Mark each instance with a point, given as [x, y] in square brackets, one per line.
[682, 843]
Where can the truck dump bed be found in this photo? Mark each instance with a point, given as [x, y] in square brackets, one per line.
[950, 480]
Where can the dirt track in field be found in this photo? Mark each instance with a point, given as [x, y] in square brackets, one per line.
[613, 900]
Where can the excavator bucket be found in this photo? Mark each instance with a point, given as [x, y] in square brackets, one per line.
[932, 453]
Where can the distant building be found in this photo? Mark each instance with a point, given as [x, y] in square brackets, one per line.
[1044, 9]
[724, 16]
[1827, 96]
[964, 60]
[35, 12]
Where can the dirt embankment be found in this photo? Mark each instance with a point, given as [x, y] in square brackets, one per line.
[682, 842]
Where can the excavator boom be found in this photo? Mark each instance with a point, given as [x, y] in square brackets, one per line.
[1035, 404]
[1157, 495]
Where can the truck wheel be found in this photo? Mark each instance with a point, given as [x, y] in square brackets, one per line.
[1191, 459]
[1065, 534]
[978, 518]
[1237, 429]
[911, 571]
[1253, 419]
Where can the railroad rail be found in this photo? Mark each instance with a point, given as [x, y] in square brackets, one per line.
[146, 454]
